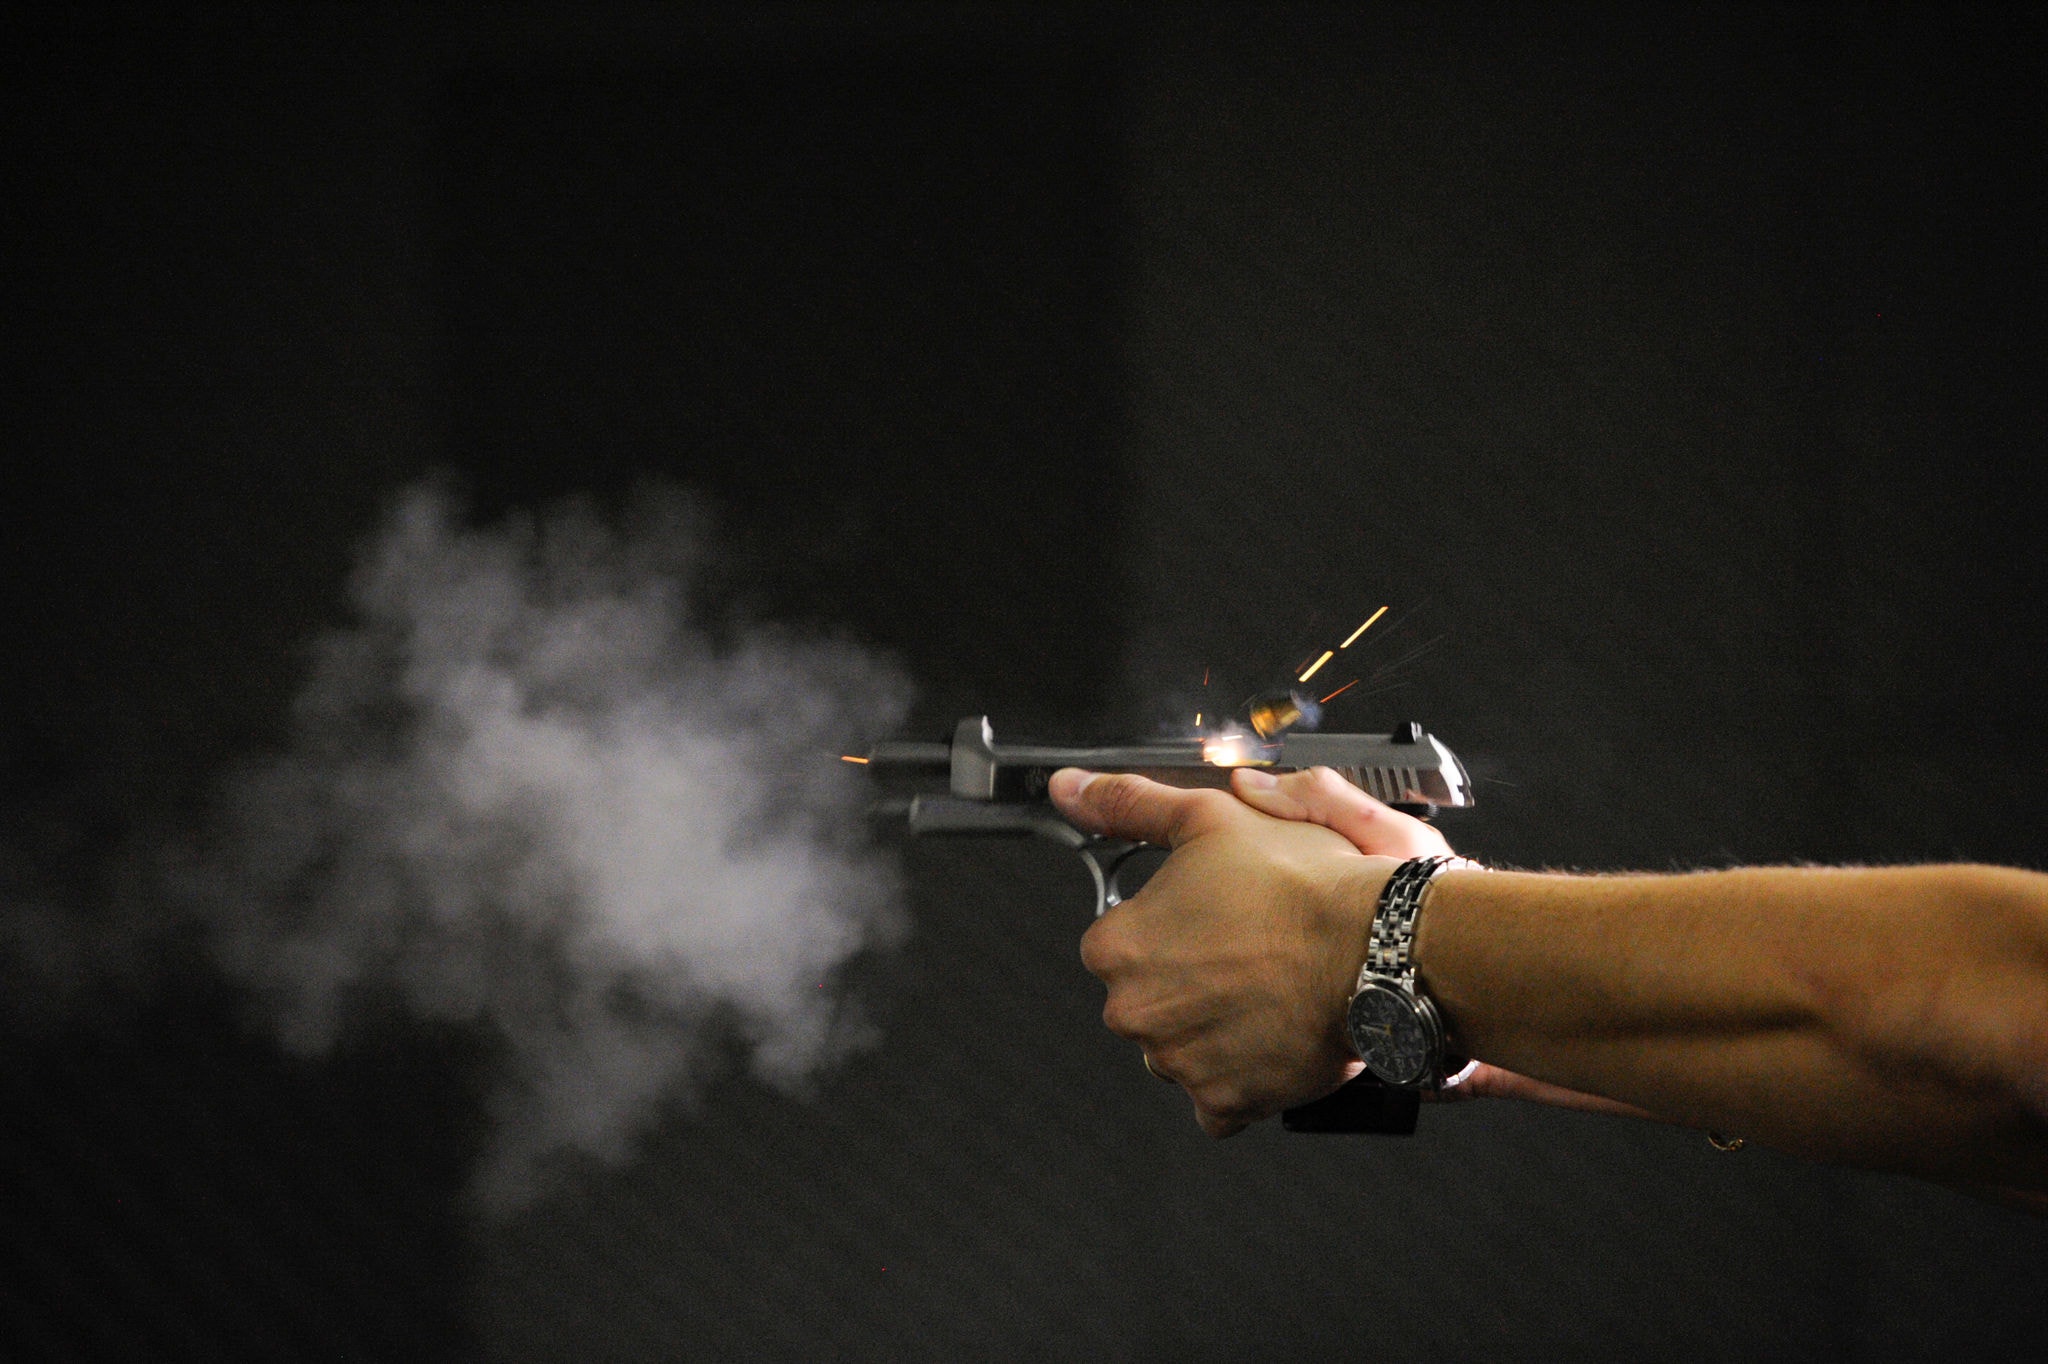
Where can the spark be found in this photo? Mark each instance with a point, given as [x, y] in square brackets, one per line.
[1360, 630]
[1388, 676]
[1198, 719]
[1232, 750]
[1339, 692]
[1314, 667]
[849, 758]
[1404, 660]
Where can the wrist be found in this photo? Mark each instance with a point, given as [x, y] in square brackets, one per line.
[1448, 884]
[1445, 891]
[1391, 1022]
[1354, 899]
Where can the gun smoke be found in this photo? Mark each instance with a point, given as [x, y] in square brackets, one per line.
[526, 794]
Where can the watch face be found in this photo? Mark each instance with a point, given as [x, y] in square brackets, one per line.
[1390, 1034]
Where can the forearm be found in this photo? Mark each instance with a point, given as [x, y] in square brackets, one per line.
[1892, 1017]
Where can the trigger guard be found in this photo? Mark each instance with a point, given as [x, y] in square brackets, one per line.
[1106, 858]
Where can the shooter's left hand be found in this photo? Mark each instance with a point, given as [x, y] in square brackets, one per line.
[1318, 795]
[1232, 968]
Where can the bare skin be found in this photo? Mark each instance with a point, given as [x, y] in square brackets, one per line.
[1894, 1017]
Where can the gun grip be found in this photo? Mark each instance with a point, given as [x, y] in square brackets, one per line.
[1363, 1104]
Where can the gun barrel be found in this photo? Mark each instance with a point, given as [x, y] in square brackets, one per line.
[1132, 757]
[898, 753]
[906, 755]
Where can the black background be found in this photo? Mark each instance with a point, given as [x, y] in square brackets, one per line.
[1676, 377]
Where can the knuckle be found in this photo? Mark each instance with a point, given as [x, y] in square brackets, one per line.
[1216, 1096]
[1095, 947]
[1332, 787]
[1219, 1122]
[1198, 811]
[1103, 949]
[1119, 1017]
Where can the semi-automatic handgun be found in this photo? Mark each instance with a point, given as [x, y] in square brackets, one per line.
[976, 786]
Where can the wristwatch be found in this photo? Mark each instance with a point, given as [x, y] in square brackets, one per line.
[1393, 1026]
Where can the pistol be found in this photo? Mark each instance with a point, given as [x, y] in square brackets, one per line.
[973, 785]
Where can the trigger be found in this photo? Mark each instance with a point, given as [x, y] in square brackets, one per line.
[1106, 894]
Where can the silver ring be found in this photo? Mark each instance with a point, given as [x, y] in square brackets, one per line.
[1156, 1073]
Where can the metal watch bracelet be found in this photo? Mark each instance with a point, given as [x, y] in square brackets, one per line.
[1392, 945]
[1388, 974]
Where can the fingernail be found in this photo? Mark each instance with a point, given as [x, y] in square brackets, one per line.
[1071, 781]
[1257, 780]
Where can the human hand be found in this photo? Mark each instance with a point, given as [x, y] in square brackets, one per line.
[1233, 967]
[1319, 796]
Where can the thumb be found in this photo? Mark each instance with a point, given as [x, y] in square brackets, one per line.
[1125, 805]
[1318, 795]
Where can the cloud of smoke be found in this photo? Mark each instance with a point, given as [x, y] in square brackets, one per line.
[525, 794]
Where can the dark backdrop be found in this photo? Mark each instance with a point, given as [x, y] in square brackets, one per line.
[1676, 379]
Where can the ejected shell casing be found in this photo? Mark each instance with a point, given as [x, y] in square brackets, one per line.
[1272, 716]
